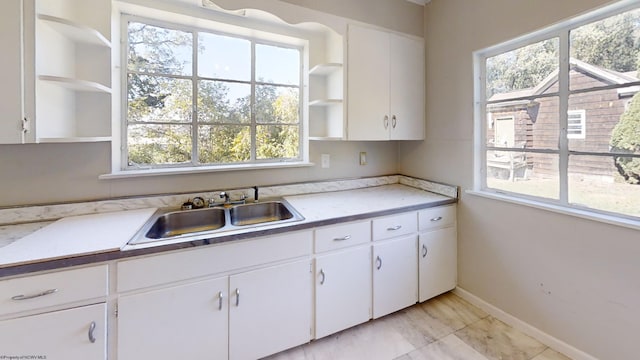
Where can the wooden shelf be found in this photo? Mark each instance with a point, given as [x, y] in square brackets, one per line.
[325, 69]
[74, 139]
[325, 138]
[76, 84]
[76, 32]
[325, 102]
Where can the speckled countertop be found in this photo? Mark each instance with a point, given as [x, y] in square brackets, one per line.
[36, 246]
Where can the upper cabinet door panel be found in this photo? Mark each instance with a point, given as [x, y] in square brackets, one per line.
[385, 86]
[11, 72]
[368, 84]
[407, 88]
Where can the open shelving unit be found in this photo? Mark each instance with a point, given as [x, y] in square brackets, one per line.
[73, 71]
[326, 92]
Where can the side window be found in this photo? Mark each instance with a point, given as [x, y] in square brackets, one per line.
[564, 130]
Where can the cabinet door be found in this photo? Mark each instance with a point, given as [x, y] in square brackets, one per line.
[367, 84]
[406, 92]
[65, 334]
[343, 290]
[181, 322]
[270, 310]
[395, 275]
[438, 262]
[11, 72]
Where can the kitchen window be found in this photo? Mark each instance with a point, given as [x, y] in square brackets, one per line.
[534, 95]
[197, 98]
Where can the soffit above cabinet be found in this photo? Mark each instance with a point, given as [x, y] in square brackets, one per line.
[419, 2]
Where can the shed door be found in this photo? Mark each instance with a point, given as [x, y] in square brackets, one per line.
[505, 131]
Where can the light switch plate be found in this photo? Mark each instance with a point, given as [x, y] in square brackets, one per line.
[363, 158]
[325, 160]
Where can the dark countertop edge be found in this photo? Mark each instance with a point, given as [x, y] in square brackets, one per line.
[55, 264]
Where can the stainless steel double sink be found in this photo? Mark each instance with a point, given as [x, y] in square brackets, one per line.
[170, 224]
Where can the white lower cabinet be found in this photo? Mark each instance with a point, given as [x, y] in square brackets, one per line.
[269, 310]
[343, 290]
[438, 262]
[186, 321]
[395, 275]
[73, 334]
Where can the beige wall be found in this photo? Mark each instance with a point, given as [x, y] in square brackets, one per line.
[572, 278]
[47, 173]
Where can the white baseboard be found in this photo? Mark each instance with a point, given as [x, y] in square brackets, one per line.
[550, 341]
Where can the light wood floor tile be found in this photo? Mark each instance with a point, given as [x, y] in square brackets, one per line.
[496, 340]
[453, 310]
[444, 328]
[375, 340]
[551, 354]
[417, 326]
[447, 348]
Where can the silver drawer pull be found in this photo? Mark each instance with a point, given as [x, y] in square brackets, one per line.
[92, 328]
[237, 297]
[437, 218]
[346, 237]
[378, 262]
[424, 251]
[220, 297]
[323, 277]
[25, 297]
[397, 227]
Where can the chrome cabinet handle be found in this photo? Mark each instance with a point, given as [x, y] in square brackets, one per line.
[379, 262]
[436, 218]
[92, 328]
[394, 228]
[237, 297]
[386, 121]
[346, 237]
[393, 121]
[220, 296]
[424, 250]
[323, 277]
[25, 297]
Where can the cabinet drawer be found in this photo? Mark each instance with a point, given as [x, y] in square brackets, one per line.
[341, 236]
[207, 260]
[437, 217]
[62, 287]
[396, 225]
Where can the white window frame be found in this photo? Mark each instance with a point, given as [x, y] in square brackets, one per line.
[560, 31]
[194, 77]
[582, 124]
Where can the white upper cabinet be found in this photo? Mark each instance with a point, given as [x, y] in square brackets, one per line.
[11, 106]
[385, 85]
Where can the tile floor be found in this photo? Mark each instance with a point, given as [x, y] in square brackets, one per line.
[444, 328]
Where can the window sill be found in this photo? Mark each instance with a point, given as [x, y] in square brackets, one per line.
[584, 214]
[200, 169]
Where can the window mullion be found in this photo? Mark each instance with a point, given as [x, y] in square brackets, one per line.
[194, 98]
[254, 127]
[563, 108]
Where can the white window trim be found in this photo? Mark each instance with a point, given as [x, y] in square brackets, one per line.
[582, 114]
[561, 31]
[185, 15]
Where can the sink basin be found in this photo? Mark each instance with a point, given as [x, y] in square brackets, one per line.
[186, 222]
[252, 214]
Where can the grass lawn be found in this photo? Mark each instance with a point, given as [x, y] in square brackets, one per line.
[608, 196]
